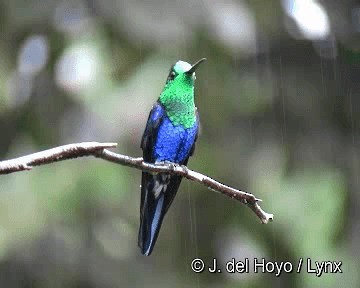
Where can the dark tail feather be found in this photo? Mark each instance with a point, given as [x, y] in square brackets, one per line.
[150, 225]
[151, 215]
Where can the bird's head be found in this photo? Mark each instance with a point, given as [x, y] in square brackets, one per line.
[182, 73]
[178, 94]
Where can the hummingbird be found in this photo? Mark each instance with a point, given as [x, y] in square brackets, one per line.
[170, 135]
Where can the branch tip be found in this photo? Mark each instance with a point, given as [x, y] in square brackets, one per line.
[269, 218]
[108, 145]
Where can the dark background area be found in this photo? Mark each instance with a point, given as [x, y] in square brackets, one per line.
[279, 105]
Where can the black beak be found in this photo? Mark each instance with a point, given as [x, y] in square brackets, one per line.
[195, 66]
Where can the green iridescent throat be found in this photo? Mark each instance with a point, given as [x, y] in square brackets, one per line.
[178, 100]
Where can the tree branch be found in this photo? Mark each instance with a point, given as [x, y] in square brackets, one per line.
[99, 150]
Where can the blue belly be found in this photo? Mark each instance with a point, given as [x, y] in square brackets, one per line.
[174, 142]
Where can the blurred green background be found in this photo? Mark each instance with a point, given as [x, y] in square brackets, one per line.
[279, 103]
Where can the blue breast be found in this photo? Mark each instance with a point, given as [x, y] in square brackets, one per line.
[174, 142]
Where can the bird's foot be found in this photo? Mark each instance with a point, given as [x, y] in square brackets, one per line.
[170, 164]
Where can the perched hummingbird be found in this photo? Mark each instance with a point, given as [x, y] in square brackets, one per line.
[170, 135]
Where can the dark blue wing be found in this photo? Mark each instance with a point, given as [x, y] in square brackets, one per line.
[149, 137]
[157, 191]
[148, 141]
[151, 208]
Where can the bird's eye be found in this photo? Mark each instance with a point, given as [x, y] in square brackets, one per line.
[171, 76]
